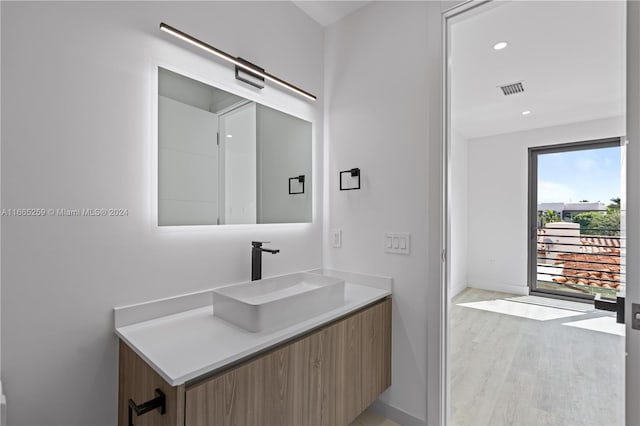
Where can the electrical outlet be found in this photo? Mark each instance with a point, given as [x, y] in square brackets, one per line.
[336, 238]
[397, 242]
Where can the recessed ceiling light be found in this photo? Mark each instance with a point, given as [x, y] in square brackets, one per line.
[527, 112]
[229, 136]
[501, 45]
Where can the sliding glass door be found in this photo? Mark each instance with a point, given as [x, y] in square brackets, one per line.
[576, 241]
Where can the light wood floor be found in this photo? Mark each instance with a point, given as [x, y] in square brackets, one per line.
[369, 418]
[508, 370]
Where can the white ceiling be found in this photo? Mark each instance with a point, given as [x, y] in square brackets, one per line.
[569, 55]
[327, 12]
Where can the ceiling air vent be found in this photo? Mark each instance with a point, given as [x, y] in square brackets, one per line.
[512, 89]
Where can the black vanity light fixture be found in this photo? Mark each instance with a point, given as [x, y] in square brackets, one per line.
[355, 173]
[300, 179]
[250, 68]
[250, 77]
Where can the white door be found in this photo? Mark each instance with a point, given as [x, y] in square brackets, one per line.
[187, 164]
[633, 212]
[238, 165]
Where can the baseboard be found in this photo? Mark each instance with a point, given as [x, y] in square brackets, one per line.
[504, 288]
[395, 414]
[456, 290]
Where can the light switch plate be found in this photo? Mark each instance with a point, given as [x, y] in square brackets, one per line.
[397, 242]
[336, 238]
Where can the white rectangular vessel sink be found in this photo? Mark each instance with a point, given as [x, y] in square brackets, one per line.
[273, 303]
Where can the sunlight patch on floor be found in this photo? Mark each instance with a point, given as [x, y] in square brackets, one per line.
[522, 310]
[601, 324]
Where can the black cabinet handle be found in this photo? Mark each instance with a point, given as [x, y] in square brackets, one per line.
[159, 402]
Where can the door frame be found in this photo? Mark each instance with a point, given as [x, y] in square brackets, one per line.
[532, 204]
[443, 409]
[632, 377]
[632, 209]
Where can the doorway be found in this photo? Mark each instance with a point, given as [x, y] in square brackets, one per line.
[522, 360]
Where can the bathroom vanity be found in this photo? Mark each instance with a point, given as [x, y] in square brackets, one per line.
[323, 369]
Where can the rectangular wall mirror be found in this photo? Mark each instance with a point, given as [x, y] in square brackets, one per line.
[223, 159]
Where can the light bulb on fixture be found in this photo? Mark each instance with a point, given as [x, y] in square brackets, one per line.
[527, 112]
[499, 46]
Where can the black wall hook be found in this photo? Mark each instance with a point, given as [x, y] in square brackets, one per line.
[354, 173]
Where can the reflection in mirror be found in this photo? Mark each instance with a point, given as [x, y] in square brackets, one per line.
[223, 159]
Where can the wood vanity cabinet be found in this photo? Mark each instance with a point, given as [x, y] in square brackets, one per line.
[325, 377]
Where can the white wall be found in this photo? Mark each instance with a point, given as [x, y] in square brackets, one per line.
[497, 188]
[383, 112]
[458, 163]
[79, 87]
[283, 152]
[187, 164]
[185, 90]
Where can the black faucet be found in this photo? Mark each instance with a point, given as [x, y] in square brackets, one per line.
[256, 258]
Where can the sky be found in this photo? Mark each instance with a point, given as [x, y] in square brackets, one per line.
[592, 175]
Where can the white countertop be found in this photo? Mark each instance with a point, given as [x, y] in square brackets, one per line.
[185, 345]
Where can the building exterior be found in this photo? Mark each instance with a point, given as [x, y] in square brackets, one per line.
[567, 211]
